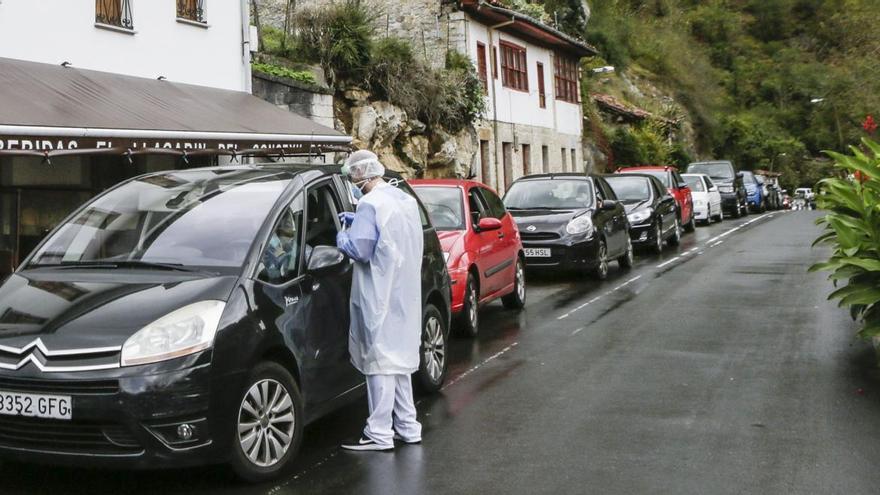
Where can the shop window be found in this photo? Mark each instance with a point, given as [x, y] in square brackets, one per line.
[114, 13]
[514, 71]
[192, 10]
[566, 72]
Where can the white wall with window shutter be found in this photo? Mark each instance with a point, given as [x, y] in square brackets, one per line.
[523, 107]
[55, 31]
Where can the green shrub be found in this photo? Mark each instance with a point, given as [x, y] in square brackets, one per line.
[852, 229]
[451, 97]
[395, 75]
[336, 36]
[302, 76]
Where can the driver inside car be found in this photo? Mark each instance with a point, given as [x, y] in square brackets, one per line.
[280, 253]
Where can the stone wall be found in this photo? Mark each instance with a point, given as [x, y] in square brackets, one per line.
[290, 95]
[422, 22]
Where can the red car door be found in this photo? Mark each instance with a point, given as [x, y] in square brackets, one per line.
[682, 195]
[510, 244]
[490, 252]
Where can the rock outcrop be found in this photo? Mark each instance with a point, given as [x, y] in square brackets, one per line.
[404, 144]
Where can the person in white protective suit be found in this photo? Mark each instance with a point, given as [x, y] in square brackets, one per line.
[384, 237]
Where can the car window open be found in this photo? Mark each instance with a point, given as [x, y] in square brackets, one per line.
[322, 217]
[281, 259]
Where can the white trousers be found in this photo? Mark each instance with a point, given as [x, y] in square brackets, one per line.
[391, 409]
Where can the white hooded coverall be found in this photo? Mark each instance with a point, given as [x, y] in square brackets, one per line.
[386, 241]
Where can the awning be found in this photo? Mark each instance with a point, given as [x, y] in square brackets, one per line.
[51, 110]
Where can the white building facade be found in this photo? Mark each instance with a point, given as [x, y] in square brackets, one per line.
[201, 42]
[534, 121]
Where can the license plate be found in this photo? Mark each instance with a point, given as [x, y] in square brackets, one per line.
[35, 406]
[537, 252]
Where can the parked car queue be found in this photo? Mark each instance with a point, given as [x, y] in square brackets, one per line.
[570, 222]
[193, 316]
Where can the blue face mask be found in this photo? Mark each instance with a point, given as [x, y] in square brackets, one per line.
[356, 192]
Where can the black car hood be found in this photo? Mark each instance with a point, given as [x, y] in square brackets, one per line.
[68, 310]
[544, 220]
[631, 206]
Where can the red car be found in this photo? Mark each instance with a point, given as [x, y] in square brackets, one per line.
[677, 187]
[481, 244]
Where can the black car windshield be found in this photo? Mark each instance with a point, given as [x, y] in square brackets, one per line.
[549, 194]
[717, 171]
[197, 218]
[444, 206]
[695, 182]
[630, 188]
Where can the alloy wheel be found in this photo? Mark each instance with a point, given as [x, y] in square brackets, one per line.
[473, 307]
[434, 348]
[266, 423]
[602, 268]
[520, 281]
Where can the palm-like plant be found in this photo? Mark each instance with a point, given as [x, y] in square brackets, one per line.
[852, 228]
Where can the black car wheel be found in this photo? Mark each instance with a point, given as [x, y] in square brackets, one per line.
[470, 314]
[626, 261]
[658, 239]
[517, 298]
[601, 269]
[432, 362]
[675, 238]
[269, 424]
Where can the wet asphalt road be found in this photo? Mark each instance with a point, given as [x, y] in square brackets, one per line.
[718, 367]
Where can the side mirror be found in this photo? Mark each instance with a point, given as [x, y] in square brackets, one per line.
[713, 189]
[488, 223]
[739, 175]
[608, 205]
[324, 259]
[682, 185]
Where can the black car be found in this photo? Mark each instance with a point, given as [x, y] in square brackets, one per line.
[192, 317]
[650, 209]
[570, 222]
[730, 185]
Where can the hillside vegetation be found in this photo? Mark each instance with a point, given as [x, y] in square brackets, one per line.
[767, 83]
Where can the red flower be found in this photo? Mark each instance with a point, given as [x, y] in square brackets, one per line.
[870, 125]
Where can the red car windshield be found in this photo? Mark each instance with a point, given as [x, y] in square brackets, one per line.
[660, 174]
[444, 206]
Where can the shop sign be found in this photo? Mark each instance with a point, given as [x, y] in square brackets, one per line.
[25, 143]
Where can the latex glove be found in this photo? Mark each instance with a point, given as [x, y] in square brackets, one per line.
[346, 218]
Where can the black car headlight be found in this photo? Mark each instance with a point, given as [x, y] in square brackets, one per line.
[725, 189]
[640, 216]
[186, 331]
[580, 225]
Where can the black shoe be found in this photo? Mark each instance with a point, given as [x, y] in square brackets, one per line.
[408, 442]
[364, 443]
